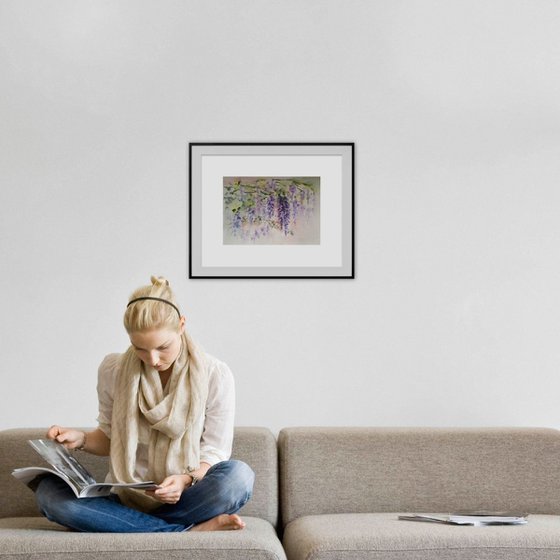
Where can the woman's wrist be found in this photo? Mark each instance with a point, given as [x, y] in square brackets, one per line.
[190, 479]
[82, 447]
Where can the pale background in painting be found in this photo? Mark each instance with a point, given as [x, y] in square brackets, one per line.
[454, 315]
[304, 227]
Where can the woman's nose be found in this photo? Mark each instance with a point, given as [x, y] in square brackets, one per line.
[153, 358]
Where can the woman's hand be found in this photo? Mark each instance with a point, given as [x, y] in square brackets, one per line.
[70, 438]
[170, 490]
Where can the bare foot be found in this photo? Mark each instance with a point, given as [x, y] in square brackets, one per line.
[222, 522]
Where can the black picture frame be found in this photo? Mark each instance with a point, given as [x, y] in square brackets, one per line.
[271, 210]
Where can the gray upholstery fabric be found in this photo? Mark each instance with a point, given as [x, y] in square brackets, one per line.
[24, 535]
[34, 538]
[361, 470]
[382, 536]
[258, 448]
[255, 446]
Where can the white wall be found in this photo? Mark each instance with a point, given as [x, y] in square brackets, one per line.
[453, 318]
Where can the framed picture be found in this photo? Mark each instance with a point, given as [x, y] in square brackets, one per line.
[267, 210]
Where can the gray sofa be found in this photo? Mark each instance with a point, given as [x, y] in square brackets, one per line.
[25, 535]
[342, 489]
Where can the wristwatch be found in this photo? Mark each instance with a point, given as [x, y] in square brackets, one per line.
[195, 479]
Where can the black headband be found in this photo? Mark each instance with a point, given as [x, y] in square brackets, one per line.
[155, 299]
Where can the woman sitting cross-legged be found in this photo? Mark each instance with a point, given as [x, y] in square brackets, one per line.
[166, 413]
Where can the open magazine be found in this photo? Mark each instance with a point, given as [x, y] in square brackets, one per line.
[477, 519]
[68, 468]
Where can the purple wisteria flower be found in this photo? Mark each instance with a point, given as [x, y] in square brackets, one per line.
[259, 209]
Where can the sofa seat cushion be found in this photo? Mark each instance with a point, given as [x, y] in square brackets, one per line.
[35, 538]
[383, 536]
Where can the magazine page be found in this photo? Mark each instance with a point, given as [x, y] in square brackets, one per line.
[475, 519]
[104, 488]
[63, 462]
[69, 469]
[428, 518]
[488, 518]
[28, 474]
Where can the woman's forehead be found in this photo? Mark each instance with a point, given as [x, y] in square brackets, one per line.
[153, 338]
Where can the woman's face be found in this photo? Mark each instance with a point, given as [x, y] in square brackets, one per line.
[158, 348]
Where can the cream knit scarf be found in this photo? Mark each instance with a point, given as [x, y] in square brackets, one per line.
[174, 420]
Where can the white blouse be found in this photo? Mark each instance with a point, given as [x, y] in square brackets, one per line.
[217, 435]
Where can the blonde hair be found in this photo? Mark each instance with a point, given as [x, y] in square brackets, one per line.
[148, 314]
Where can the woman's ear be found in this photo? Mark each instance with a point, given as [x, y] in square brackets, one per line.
[182, 322]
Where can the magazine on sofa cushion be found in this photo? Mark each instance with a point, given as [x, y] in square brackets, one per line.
[476, 518]
[66, 466]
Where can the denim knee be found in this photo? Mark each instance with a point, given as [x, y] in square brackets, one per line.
[54, 497]
[243, 476]
[241, 479]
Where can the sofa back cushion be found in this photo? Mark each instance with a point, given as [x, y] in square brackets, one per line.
[255, 446]
[360, 470]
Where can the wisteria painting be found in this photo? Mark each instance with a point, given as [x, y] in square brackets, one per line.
[271, 210]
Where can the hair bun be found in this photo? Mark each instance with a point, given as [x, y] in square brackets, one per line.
[159, 281]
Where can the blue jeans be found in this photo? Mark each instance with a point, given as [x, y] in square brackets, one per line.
[225, 488]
